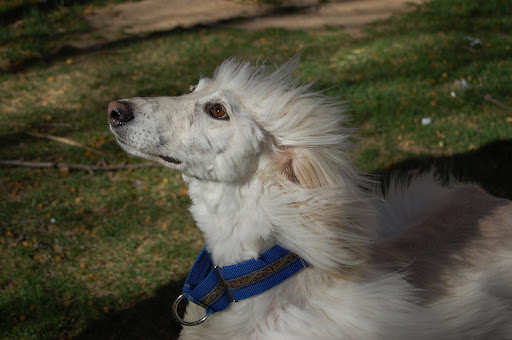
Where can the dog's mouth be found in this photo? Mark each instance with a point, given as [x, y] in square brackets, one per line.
[165, 158]
[170, 159]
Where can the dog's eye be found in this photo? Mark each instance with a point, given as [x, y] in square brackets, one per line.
[217, 111]
[192, 88]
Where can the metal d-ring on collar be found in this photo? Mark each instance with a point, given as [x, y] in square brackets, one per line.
[206, 315]
[180, 319]
[214, 288]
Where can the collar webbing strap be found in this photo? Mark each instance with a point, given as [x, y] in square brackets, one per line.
[214, 288]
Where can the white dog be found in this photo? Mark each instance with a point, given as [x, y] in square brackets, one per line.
[265, 160]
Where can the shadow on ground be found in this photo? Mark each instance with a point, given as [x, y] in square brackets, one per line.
[149, 319]
[489, 166]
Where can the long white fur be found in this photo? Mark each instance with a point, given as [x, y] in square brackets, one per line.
[277, 173]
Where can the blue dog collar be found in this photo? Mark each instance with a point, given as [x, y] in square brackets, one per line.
[214, 288]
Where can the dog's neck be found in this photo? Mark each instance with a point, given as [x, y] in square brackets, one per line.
[232, 220]
[239, 222]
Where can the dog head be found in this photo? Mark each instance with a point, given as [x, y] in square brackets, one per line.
[243, 121]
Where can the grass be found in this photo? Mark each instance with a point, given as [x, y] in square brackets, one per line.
[101, 255]
[32, 30]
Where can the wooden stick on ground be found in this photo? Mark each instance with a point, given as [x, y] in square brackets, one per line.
[495, 101]
[64, 141]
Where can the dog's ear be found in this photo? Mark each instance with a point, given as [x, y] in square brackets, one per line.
[303, 167]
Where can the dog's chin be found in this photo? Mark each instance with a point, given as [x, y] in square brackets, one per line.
[128, 148]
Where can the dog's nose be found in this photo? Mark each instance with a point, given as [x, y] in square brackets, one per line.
[119, 113]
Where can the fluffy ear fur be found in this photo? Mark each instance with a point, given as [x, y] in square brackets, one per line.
[313, 167]
[303, 168]
[320, 198]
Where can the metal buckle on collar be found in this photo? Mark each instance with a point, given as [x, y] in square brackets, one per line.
[217, 268]
[180, 319]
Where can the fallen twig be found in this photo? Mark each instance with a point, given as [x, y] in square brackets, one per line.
[65, 141]
[88, 168]
[21, 237]
[493, 100]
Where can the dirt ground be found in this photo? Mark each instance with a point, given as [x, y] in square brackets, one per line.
[147, 16]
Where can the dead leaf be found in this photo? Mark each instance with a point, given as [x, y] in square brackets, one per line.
[64, 171]
[89, 10]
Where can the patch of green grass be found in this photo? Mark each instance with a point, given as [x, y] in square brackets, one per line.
[33, 30]
[77, 248]
[437, 62]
